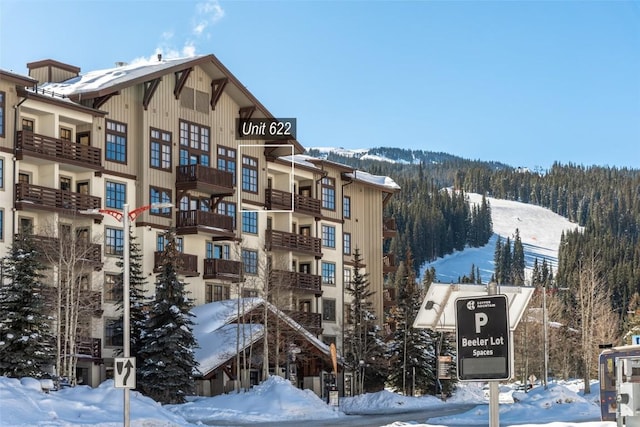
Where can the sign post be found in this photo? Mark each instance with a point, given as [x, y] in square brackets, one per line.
[483, 338]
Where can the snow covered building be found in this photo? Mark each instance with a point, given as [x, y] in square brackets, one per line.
[255, 216]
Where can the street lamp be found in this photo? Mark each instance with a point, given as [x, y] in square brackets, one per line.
[126, 217]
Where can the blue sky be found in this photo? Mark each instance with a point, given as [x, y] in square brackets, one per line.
[525, 83]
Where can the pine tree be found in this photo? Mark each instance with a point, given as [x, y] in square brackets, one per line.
[517, 263]
[167, 342]
[365, 347]
[411, 351]
[26, 343]
[137, 311]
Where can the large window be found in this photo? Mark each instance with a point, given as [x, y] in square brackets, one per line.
[160, 195]
[250, 222]
[116, 142]
[112, 287]
[229, 209]
[329, 309]
[328, 273]
[328, 236]
[217, 251]
[194, 144]
[2, 112]
[1, 224]
[346, 207]
[329, 193]
[250, 260]
[112, 332]
[1, 172]
[249, 174]
[160, 149]
[346, 243]
[116, 195]
[227, 160]
[113, 241]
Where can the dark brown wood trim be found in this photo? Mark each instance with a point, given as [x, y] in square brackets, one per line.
[152, 225]
[181, 80]
[55, 100]
[217, 87]
[246, 112]
[100, 101]
[149, 89]
[119, 174]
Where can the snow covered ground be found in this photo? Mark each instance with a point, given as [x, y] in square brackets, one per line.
[23, 403]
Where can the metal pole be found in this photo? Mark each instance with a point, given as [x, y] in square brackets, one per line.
[494, 392]
[546, 335]
[126, 303]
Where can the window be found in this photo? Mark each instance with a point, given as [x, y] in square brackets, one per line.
[112, 287]
[1, 172]
[229, 209]
[2, 112]
[113, 241]
[112, 332]
[194, 144]
[250, 261]
[250, 222]
[28, 124]
[328, 273]
[346, 207]
[116, 150]
[221, 292]
[346, 244]
[116, 195]
[249, 293]
[160, 149]
[65, 134]
[227, 160]
[161, 242]
[329, 309]
[82, 187]
[328, 236]
[1, 224]
[249, 174]
[160, 195]
[329, 193]
[346, 276]
[25, 225]
[217, 251]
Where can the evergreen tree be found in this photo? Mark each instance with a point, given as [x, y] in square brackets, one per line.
[517, 263]
[167, 343]
[26, 343]
[497, 261]
[138, 307]
[365, 347]
[412, 351]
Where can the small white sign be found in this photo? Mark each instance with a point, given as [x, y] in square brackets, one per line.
[635, 339]
[124, 372]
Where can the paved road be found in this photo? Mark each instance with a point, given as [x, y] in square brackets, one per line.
[419, 416]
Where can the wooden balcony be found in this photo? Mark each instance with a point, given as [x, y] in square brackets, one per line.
[281, 200]
[304, 282]
[389, 298]
[90, 253]
[57, 150]
[280, 240]
[188, 264]
[89, 346]
[29, 196]
[205, 179]
[389, 228]
[389, 263]
[223, 269]
[196, 221]
[312, 322]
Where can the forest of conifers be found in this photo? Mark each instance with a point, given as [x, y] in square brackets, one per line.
[432, 222]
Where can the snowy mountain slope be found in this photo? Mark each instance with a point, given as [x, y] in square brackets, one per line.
[540, 231]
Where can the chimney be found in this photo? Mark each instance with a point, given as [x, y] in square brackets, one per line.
[120, 64]
[159, 57]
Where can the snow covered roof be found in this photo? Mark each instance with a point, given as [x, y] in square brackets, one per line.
[312, 162]
[217, 336]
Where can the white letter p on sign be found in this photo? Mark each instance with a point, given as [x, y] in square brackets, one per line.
[481, 320]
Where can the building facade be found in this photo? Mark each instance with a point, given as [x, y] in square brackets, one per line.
[254, 217]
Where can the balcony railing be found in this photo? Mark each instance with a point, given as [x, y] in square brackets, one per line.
[389, 263]
[188, 264]
[223, 269]
[389, 228]
[293, 242]
[312, 322]
[297, 281]
[281, 200]
[205, 179]
[194, 221]
[29, 196]
[59, 150]
[89, 346]
[55, 248]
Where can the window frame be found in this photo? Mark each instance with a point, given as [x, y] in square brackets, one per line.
[346, 207]
[326, 270]
[163, 196]
[113, 287]
[250, 261]
[328, 236]
[115, 142]
[227, 160]
[250, 222]
[3, 113]
[250, 174]
[346, 243]
[116, 236]
[328, 312]
[116, 197]
[160, 158]
[328, 190]
[191, 146]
